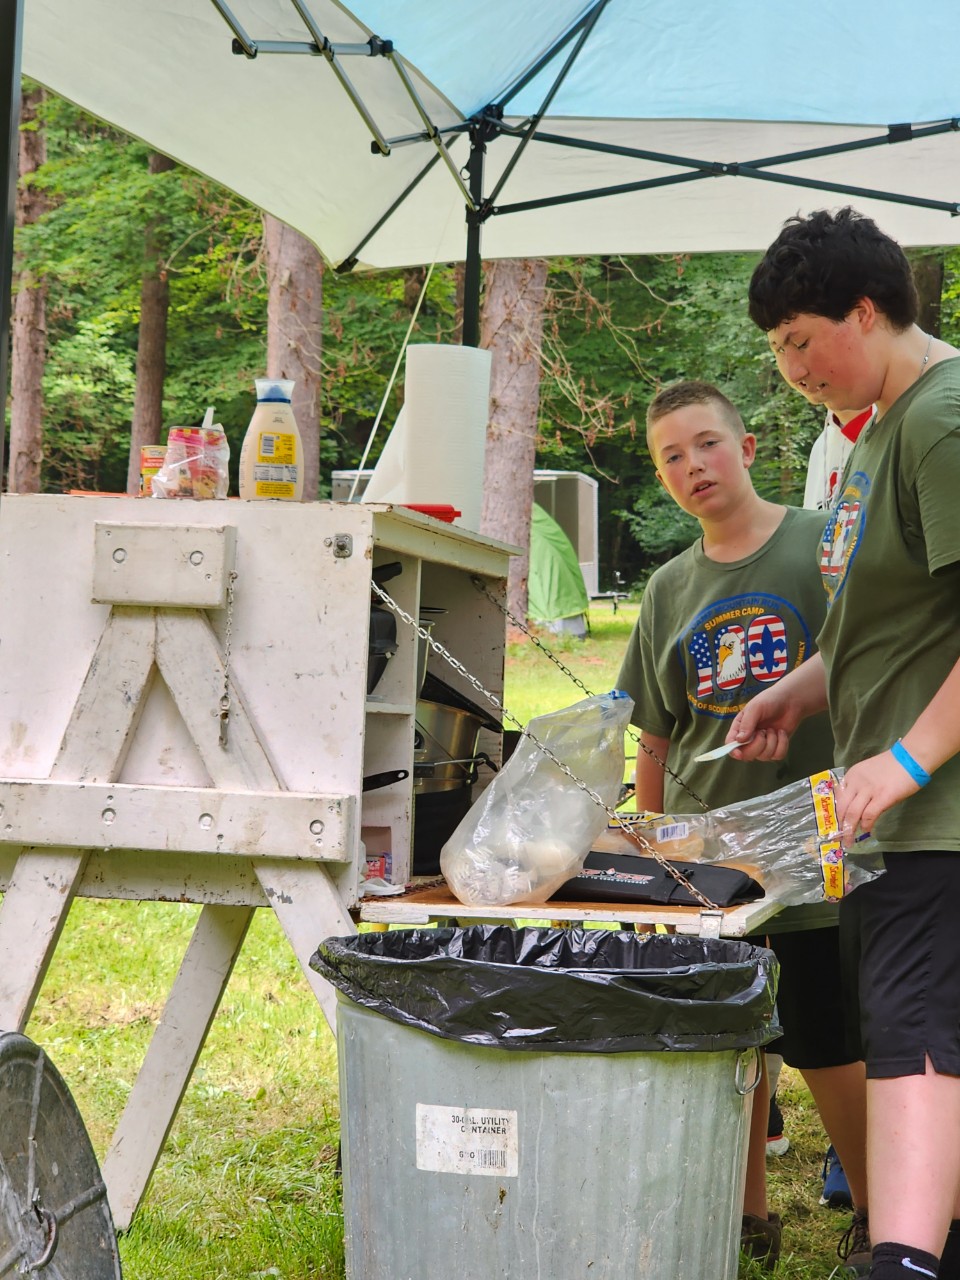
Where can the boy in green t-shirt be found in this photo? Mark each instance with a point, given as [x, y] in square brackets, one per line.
[836, 299]
[729, 616]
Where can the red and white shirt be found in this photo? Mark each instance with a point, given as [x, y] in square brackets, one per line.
[828, 457]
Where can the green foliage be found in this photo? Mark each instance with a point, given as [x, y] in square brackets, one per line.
[635, 325]
[87, 386]
[950, 301]
[615, 331]
[659, 526]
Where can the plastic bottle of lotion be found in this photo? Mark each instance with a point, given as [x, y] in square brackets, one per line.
[271, 459]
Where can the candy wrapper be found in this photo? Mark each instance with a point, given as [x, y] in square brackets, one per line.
[196, 463]
[788, 840]
[533, 826]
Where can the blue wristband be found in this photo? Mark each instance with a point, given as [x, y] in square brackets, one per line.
[903, 757]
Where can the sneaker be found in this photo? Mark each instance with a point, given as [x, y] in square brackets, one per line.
[854, 1249]
[777, 1144]
[836, 1190]
[760, 1238]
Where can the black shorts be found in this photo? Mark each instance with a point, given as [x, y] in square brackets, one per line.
[901, 932]
[810, 1002]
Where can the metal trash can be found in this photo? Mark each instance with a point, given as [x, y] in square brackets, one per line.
[54, 1216]
[545, 1103]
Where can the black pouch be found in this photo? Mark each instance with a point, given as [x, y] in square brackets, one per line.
[626, 877]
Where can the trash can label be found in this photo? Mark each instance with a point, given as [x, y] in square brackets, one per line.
[480, 1140]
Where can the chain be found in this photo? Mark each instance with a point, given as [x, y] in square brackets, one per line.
[615, 818]
[227, 646]
[635, 737]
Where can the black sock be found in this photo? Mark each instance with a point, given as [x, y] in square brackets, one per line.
[893, 1261]
[950, 1258]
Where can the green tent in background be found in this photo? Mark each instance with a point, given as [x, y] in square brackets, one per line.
[555, 587]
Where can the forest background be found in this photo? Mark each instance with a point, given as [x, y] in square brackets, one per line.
[107, 229]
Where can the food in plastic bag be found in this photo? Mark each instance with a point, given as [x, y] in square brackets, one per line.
[788, 840]
[195, 464]
[533, 826]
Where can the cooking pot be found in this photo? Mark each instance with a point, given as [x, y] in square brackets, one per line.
[444, 747]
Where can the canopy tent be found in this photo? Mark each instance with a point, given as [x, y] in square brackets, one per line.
[556, 589]
[372, 129]
[550, 127]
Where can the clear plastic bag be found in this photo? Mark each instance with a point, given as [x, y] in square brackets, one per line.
[789, 841]
[196, 464]
[532, 828]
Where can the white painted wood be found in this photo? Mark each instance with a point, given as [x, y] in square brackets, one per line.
[737, 921]
[37, 899]
[107, 708]
[439, 543]
[180, 566]
[32, 915]
[309, 909]
[174, 1049]
[190, 660]
[126, 705]
[277, 824]
[218, 879]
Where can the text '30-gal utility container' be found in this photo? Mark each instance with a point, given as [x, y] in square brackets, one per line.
[546, 1104]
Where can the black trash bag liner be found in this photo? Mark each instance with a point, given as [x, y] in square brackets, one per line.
[626, 877]
[567, 990]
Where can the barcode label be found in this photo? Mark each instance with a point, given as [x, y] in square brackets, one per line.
[491, 1159]
[473, 1140]
[672, 831]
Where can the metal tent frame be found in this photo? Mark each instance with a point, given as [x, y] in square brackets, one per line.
[482, 128]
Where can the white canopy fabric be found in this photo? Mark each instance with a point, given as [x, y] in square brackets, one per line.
[713, 83]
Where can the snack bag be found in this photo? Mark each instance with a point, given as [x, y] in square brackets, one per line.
[788, 840]
[196, 463]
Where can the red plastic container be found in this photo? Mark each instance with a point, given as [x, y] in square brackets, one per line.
[443, 511]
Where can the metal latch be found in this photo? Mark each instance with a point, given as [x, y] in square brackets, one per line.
[342, 544]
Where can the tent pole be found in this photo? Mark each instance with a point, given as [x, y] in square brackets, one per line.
[473, 266]
[11, 32]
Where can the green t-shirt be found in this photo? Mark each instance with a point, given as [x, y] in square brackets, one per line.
[891, 565]
[710, 636]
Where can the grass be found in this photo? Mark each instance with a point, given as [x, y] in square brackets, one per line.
[247, 1186]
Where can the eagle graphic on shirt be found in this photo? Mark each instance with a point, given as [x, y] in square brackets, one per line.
[736, 647]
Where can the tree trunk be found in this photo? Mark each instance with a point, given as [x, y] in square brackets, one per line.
[294, 333]
[147, 424]
[512, 329]
[928, 274]
[29, 317]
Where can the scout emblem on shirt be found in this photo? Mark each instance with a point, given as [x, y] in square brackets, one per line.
[843, 534]
[737, 646]
[767, 642]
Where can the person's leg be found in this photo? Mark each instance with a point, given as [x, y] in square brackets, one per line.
[840, 1095]
[910, 1024]
[913, 1140]
[810, 999]
[755, 1189]
[760, 1230]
